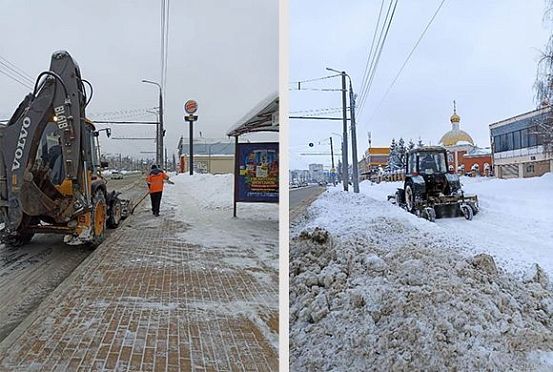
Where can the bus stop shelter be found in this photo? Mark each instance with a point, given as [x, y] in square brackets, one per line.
[256, 171]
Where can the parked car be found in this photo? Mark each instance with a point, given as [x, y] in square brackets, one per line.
[116, 175]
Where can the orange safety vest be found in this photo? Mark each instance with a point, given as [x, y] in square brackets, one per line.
[155, 181]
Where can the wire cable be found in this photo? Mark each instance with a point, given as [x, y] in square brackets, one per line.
[408, 57]
[365, 72]
[19, 71]
[16, 79]
[375, 65]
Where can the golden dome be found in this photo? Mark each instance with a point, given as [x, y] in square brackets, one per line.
[454, 136]
[455, 118]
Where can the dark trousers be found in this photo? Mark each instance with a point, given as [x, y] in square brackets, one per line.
[156, 201]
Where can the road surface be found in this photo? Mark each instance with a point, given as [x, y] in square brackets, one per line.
[301, 198]
[30, 273]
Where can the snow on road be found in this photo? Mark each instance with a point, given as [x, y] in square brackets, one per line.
[393, 290]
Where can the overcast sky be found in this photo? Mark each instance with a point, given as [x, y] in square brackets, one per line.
[482, 54]
[223, 53]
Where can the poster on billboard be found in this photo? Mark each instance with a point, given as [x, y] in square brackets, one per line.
[257, 172]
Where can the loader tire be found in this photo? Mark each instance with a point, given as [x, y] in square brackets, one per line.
[409, 198]
[21, 237]
[99, 219]
[18, 240]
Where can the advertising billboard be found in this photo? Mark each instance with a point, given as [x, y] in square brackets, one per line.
[257, 172]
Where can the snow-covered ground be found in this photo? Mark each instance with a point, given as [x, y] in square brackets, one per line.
[215, 225]
[248, 243]
[515, 223]
[392, 290]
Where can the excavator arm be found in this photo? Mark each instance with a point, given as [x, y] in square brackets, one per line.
[59, 96]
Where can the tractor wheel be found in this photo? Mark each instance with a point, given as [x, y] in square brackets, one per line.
[467, 211]
[398, 198]
[114, 218]
[99, 218]
[430, 214]
[410, 198]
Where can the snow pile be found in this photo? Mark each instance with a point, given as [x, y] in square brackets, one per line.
[211, 191]
[514, 223]
[385, 288]
[355, 304]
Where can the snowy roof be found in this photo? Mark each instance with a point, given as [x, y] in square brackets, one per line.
[526, 115]
[478, 151]
[259, 119]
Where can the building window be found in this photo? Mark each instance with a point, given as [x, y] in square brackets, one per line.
[516, 140]
[524, 138]
[530, 168]
[501, 143]
[510, 145]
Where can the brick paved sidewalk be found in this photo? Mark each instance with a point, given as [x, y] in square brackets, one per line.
[148, 300]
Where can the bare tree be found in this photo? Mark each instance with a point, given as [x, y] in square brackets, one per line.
[543, 88]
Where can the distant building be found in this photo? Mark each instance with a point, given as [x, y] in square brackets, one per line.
[299, 176]
[463, 155]
[316, 172]
[373, 159]
[518, 150]
[214, 158]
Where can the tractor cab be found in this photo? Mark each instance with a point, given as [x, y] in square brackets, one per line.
[430, 190]
[427, 161]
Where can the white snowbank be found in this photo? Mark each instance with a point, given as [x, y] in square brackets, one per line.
[392, 290]
[514, 224]
[204, 201]
[209, 190]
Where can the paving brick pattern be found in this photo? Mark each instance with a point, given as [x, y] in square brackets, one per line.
[148, 301]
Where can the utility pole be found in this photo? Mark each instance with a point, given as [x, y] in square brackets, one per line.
[353, 140]
[345, 176]
[161, 131]
[332, 170]
[191, 149]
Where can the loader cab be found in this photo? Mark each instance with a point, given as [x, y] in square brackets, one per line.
[50, 154]
[92, 149]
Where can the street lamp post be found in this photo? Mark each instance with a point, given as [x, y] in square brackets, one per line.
[156, 113]
[159, 147]
[355, 170]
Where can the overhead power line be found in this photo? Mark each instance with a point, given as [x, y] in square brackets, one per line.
[369, 57]
[15, 73]
[376, 57]
[27, 85]
[409, 57]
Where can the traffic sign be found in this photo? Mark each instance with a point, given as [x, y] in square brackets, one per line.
[191, 106]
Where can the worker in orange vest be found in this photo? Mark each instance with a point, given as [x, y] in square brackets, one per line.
[155, 185]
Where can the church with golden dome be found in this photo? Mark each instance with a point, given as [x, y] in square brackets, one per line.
[456, 136]
[463, 154]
